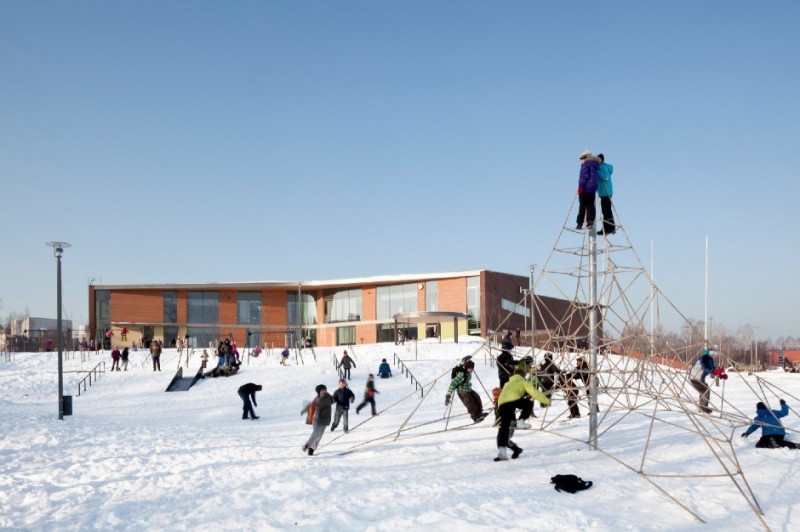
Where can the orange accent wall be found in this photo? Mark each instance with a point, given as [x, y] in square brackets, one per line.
[227, 306]
[182, 306]
[367, 332]
[453, 295]
[319, 299]
[137, 305]
[273, 309]
[369, 303]
[326, 336]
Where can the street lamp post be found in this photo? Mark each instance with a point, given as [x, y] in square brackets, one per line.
[58, 250]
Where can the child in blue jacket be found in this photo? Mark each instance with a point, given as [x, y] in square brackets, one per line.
[772, 432]
[605, 190]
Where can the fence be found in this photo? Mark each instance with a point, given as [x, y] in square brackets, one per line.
[404, 369]
[96, 371]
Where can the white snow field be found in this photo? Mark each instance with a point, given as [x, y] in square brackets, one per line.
[133, 457]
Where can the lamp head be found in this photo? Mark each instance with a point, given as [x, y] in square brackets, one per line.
[58, 247]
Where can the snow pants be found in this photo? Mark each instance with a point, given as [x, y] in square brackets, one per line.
[508, 413]
[705, 393]
[586, 209]
[473, 402]
[608, 215]
[775, 442]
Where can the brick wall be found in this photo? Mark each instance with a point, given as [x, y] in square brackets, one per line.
[494, 288]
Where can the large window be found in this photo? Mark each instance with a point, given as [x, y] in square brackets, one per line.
[306, 310]
[432, 296]
[248, 308]
[346, 335]
[474, 304]
[396, 298]
[102, 312]
[203, 337]
[170, 306]
[343, 305]
[202, 307]
[170, 336]
[386, 332]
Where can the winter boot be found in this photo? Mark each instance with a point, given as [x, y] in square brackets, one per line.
[522, 424]
[310, 451]
[502, 454]
[516, 451]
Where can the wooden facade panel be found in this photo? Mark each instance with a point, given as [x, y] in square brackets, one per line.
[240, 337]
[453, 295]
[182, 306]
[369, 303]
[273, 307]
[140, 306]
[369, 334]
[319, 299]
[326, 336]
[227, 306]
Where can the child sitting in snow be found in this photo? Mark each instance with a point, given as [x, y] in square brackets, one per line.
[772, 432]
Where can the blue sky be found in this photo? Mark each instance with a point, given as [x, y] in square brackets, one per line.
[241, 141]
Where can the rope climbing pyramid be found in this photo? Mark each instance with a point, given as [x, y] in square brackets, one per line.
[642, 408]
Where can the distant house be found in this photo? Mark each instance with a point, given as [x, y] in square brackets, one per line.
[34, 334]
[784, 357]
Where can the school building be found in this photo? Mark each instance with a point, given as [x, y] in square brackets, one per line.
[787, 358]
[326, 313]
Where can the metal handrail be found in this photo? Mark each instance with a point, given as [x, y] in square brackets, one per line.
[404, 369]
[94, 371]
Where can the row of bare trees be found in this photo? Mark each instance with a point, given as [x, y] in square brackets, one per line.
[742, 345]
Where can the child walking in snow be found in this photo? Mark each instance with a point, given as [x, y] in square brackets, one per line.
[343, 397]
[318, 414]
[369, 395]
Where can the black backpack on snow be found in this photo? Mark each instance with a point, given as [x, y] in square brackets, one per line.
[570, 483]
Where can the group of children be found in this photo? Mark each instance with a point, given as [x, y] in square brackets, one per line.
[520, 386]
[324, 405]
[318, 411]
[118, 358]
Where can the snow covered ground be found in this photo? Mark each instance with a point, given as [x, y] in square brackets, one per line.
[133, 457]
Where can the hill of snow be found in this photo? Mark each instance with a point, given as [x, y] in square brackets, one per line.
[133, 457]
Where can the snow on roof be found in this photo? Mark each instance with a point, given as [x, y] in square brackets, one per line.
[378, 279]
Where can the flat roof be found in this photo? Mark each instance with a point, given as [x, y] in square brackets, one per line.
[355, 281]
[428, 316]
